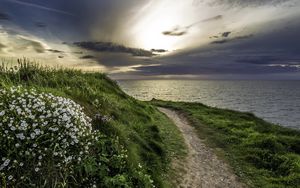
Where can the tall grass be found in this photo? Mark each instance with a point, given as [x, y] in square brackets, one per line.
[139, 127]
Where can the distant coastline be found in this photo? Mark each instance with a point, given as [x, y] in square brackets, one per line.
[266, 99]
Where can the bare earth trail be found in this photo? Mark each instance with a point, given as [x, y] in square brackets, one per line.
[202, 168]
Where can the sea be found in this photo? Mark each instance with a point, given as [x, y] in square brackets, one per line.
[274, 101]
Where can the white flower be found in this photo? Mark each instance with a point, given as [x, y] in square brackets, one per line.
[10, 177]
[37, 131]
[32, 135]
[20, 136]
[2, 113]
[6, 162]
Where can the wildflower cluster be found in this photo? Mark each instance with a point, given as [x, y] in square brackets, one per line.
[37, 129]
[47, 140]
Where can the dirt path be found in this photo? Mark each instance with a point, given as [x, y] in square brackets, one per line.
[202, 168]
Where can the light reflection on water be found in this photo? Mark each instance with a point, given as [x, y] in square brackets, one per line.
[274, 101]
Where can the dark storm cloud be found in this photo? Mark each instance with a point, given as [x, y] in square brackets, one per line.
[159, 50]
[114, 48]
[222, 41]
[87, 57]
[221, 35]
[55, 51]
[192, 69]
[179, 31]
[226, 34]
[175, 32]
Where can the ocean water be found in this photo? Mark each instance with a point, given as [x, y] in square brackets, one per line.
[275, 101]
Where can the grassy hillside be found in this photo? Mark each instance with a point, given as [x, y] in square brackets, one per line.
[135, 142]
[262, 154]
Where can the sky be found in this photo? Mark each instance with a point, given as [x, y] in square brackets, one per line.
[157, 39]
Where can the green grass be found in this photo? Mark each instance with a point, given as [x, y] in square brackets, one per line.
[261, 153]
[150, 137]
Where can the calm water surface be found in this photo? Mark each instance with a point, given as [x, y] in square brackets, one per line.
[274, 101]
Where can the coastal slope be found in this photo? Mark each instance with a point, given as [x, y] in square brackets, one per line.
[135, 147]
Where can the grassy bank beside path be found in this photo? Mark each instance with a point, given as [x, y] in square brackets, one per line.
[261, 153]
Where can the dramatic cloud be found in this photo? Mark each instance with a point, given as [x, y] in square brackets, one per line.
[226, 34]
[179, 31]
[87, 57]
[157, 37]
[159, 50]
[114, 48]
[55, 51]
[176, 32]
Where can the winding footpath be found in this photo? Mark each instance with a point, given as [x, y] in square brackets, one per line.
[202, 168]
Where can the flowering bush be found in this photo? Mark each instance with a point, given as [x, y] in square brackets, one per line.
[46, 140]
[38, 128]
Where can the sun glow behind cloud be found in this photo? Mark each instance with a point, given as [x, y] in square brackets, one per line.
[159, 16]
[195, 20]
